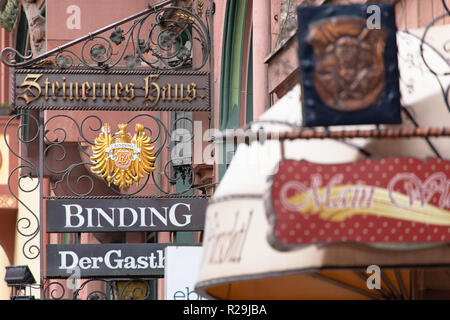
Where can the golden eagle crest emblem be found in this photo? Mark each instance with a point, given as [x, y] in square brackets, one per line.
[120, 159]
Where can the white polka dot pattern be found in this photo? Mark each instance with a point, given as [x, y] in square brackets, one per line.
[302, 225]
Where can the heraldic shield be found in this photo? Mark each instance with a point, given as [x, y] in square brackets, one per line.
[349, 69]
[120, 159]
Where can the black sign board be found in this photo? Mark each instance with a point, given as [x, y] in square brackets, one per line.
[106, 260]
[151, 214]
[110, 90]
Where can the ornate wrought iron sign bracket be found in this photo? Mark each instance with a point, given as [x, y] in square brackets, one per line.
[166, 36]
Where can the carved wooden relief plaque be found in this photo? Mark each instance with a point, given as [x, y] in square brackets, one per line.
[349, 70]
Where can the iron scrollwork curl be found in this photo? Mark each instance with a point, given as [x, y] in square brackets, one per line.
[446, 47]
[58, 143]
[98, 289]
[423, 62]
[52, 290]
[28, 225]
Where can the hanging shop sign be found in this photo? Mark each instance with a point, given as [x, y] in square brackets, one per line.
[110, 90]
[151, 214]
[348, 64]
[105, 260]
[370, 201]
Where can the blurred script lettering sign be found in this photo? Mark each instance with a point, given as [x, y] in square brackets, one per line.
[370, 201]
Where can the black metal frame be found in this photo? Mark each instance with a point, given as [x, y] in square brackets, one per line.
[160, 38]
[66, 187]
